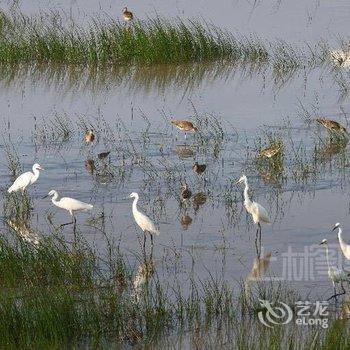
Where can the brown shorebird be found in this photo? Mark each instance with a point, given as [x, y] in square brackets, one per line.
[127, 15]
[184, 125]
[332, 125]
[269, 152]
[89, 137]
[103, 155]
[199, 168]
[185, 192]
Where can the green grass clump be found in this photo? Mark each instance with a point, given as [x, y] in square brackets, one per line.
[26, 39]
[43, 39]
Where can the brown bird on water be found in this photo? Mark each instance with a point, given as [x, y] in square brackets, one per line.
[332, 125]
[127, 15]
[185, 192]
[199, 168]
[184, 125]
[89, 137]
[269, 152]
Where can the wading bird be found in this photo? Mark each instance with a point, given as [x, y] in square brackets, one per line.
[70, 204]
[185, 192]
[257, 211]
[199, 168]
[127, 15]
[269, 152]
[332, 125]
[345, 248]
[143, 221]
[184, 125]
[89, 137]
[335, 274]
[26, 179]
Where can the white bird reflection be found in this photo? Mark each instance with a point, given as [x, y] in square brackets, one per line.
[24, 231]
[260, 265]
[144, 273]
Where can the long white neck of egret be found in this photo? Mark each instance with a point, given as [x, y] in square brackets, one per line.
[54, 198]
[340, 237]
[246, 195]
[36, 173]
[327, 257]
[134, 204]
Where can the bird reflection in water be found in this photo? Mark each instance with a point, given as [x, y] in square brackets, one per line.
[260, 265]
[24, 231]
[144, 273]
[198, 200]
[185, 221]
[184, 152]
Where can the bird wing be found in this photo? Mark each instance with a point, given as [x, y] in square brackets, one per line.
[22, 181]
[145, 223]
[260, 212]
[74, 204]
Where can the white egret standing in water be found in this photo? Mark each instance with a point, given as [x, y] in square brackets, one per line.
[143, 221]
[26, 179]
[70, 204]
[335, 274]
[257, 211]
[344, 247]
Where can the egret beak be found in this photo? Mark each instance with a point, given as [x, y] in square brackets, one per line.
[334, 228]
[40, 168]
[322, 243]
[45, 196]
[237, 182]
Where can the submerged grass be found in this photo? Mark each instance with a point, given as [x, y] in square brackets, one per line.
[56, 295]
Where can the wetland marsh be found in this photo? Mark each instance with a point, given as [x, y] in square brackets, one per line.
[248, 80]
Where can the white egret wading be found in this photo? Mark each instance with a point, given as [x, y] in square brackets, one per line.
[257, 211]
[26, 179]
[143, 221]
[345, 248]
[70, 204]
[335, 274]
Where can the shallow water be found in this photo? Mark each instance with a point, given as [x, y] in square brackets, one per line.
[247, 102]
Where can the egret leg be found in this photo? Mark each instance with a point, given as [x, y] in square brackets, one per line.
[335, 292]
[258, 240]
[144, 244]
[152, 245]
[67, 223]
[259, 235]
[74, 220]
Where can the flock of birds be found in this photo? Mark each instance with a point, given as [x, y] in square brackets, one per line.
[258, 213]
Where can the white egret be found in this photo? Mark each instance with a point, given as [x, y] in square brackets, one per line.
[26, 179]
[345, 248]
[70, 204]
[143, 221]
[335, 274]
[257, 211]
